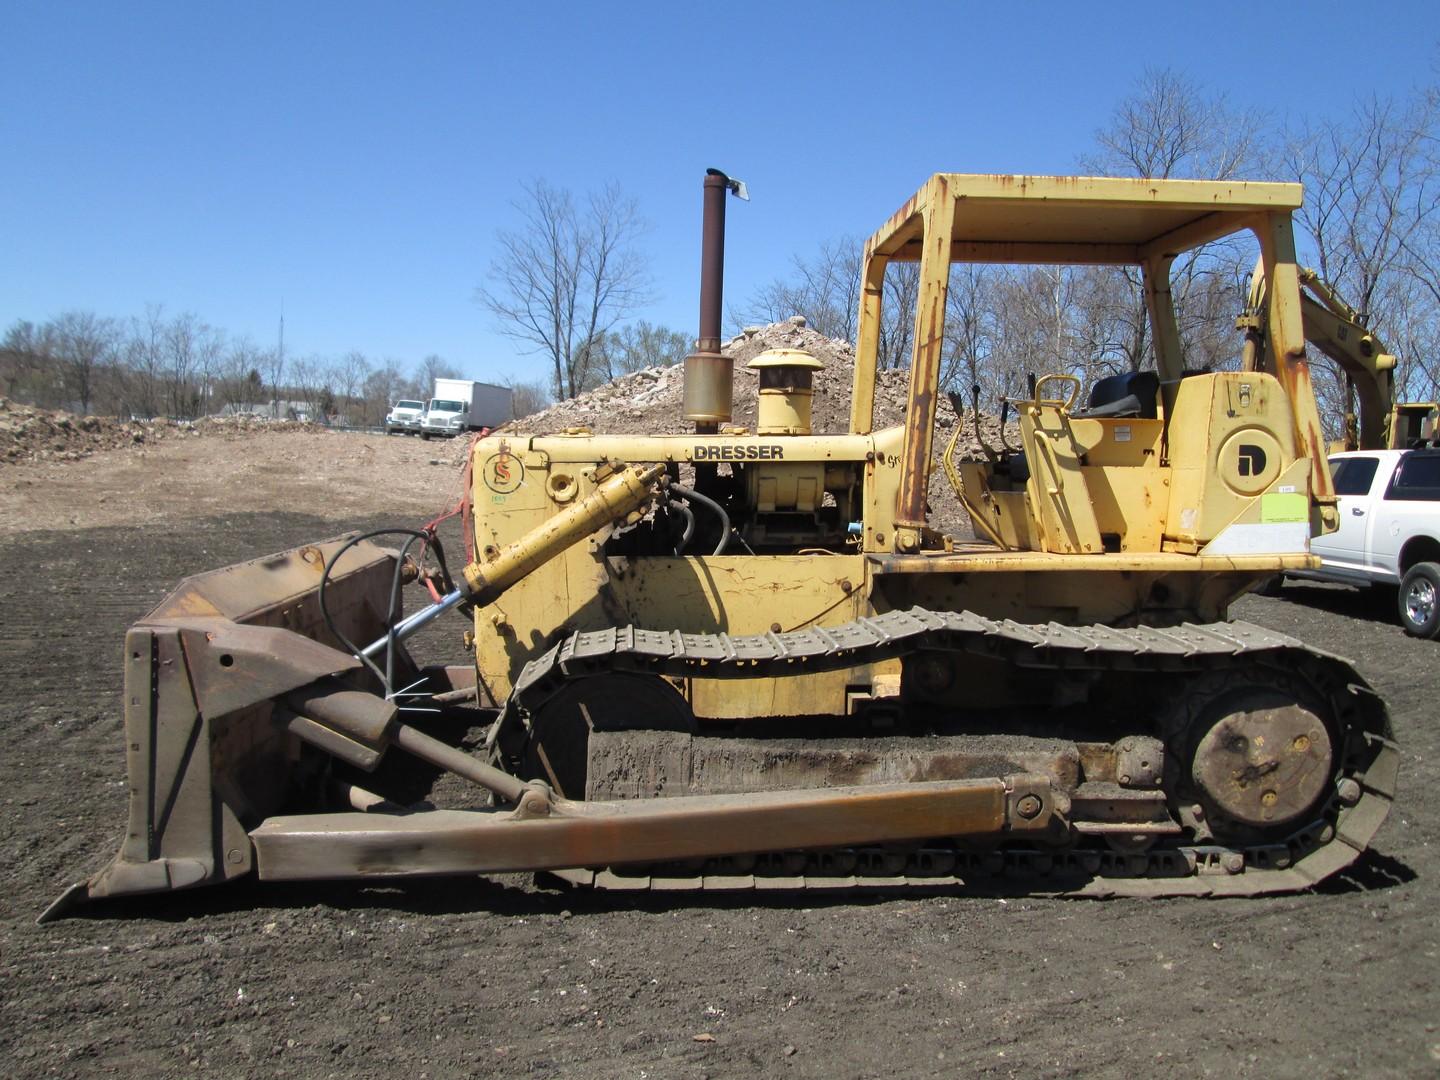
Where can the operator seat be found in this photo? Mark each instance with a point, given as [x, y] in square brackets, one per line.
[1131, 393]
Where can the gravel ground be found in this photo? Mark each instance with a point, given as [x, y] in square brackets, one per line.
[497, 977]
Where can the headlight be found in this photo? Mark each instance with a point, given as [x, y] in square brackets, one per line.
[456, 421]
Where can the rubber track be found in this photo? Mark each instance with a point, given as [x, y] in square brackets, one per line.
[1319, 849]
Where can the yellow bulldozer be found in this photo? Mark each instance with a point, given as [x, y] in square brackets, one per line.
[740, 660]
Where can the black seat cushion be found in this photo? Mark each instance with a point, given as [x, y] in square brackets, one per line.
[1131, 393]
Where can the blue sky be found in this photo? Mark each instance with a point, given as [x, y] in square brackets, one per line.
[353, 161]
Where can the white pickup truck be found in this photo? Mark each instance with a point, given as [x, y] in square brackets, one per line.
[1389, 503]
[405, 417]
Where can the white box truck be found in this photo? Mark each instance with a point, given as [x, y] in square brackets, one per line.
[461, 405]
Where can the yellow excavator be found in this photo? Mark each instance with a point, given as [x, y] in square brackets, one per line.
[1340, 332]
[741, 660]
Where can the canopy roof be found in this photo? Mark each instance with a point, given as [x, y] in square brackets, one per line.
[1080, 219]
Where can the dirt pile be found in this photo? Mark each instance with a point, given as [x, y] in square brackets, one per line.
[30, 434]
[648, 403]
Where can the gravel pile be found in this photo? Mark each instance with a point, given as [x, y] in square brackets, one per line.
[30, 434]
[648, 403]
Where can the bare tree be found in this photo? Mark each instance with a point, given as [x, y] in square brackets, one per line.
[274, 370]
[145, 359]
[825, 288]
[526, 398]
[1372, 220]
[191, 350]
[1170, 126]
[178, 345]
[970, 329]
[1035, 309]
[241, 381]
[1372, 191]
[348, 376]
[26, 359]
[384, 386]
[897, 317]
[568, 277]
[428, 370]
[640, 345]
[1414, 333]
[408, 386]
[209, 357]
[1116, 322]
[772, 303]
[84, 344]
[311, 376]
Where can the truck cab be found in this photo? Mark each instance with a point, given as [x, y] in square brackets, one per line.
[1389, 534]
[404, 417]
[445, 418]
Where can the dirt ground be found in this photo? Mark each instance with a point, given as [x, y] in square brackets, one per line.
[488, 978]
[330, 474]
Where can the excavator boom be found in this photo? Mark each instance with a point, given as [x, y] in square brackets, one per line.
[1340, 332]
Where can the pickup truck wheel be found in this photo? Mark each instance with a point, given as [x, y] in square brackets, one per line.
[1420, 600]
[425, 436]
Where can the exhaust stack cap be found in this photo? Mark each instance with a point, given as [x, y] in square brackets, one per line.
[786, 389]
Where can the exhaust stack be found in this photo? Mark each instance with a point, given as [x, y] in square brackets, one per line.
[709, 380]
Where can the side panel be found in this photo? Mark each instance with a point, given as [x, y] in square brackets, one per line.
[1076, 597]
[491, 406]
[1126, 504]
[1229, 441]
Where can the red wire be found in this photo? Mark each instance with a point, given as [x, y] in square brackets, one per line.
[461, 506]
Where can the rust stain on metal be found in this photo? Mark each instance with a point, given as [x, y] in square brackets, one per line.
[1294, 374]
[589, 834]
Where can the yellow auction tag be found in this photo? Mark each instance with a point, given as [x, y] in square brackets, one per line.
[1276, 507]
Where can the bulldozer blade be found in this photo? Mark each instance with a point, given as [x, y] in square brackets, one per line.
[585, 834]
[206, 757]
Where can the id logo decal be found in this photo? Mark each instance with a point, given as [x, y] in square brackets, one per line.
[502, 473]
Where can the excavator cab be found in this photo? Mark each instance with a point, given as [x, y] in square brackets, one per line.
[1414, 424]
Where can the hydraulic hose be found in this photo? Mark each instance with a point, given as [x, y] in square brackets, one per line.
[689, 516]
[392, 616]
[624, 492]
[705, 500]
